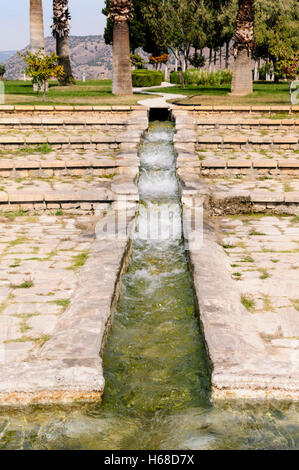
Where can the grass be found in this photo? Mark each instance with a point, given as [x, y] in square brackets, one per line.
[248, 302]
[64, 303]
[99, 92]
[109, 176]
[25, 339]
[264, 273]
[264, 93]
[268, 306]
[92, 92]
[248, 259]
[28, 150]
[287, 188]
[16, 264]
[23, 285]
[19, 241]
[254, 233]
[79, 261]
[12, 215]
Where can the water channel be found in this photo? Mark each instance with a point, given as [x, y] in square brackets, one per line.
[157, 392]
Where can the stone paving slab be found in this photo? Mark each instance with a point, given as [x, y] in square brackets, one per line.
[36, 263]
[251, 355]
[53, 325]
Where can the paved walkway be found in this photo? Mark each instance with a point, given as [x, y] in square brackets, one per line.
[39, 260]
[52, 325]
[157, 102]
[245, 268]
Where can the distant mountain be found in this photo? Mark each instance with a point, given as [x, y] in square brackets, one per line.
[5, 55]
[89, 55]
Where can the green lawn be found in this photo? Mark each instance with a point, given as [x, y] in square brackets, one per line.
[98, 92]
[265, 93]
[92, 92]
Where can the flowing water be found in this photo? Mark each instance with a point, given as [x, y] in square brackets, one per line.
[157, 392]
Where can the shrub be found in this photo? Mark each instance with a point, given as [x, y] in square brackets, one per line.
[175, 78]
[203, 77]
[41, 68]
[137, 61]
[146, 78]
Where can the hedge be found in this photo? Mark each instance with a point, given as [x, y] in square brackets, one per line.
[146, 78]
[203, 77]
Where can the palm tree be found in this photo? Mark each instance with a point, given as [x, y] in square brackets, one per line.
[242, 74]
[60, 30]
[37, 39]
[121, 13]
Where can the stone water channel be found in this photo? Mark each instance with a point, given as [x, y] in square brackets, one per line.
[157, 393]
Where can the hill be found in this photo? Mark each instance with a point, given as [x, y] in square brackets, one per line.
[89, 55]
[5, 55]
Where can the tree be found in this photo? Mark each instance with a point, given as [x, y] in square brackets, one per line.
[174, 24]
[121, 14]
[37, 39]
[242, 82]
[227, 12]
[276, 22]
[140, 32]
[60, 31]
[197, 61]
[2, 70]
[42, 67]
[286, 64]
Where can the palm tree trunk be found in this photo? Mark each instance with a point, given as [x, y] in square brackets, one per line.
[242, 74]
[63, 52]
[60, 30]
[122, 74]
[37, 39]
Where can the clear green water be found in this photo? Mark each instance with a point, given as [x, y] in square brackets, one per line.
[157, 392]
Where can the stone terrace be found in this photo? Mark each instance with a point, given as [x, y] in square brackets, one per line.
[75, 163]
[68, 199]
[246, 266]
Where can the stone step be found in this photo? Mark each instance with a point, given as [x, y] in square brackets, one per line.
[18, 164]
[238, 109]
[59, 140]
[72, 109]
[247, 123]
[94, 195]
[282, 166]
[244, 142]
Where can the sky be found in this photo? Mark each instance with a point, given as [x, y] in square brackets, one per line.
[14, 20]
